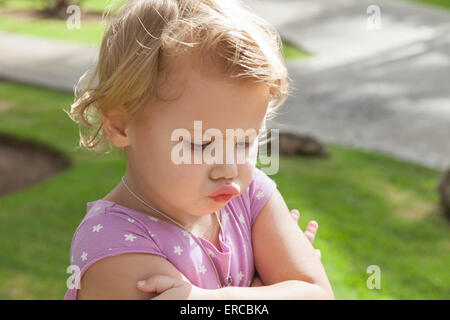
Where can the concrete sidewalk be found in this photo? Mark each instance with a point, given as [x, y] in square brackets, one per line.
[385, 89]
[40, 61]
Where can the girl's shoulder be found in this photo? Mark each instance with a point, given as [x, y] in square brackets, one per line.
[106, 231]
[258, 193]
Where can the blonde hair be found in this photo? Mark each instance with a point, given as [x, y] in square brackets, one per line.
[143, 32]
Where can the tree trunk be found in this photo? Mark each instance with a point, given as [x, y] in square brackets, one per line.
[57, 8]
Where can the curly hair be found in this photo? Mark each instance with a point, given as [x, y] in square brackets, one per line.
[144, 36]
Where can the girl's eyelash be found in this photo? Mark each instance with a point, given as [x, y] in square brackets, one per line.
[247, 144]
[199, 145]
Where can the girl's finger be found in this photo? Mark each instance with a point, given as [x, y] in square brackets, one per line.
[157, 283]
[295, 214]
[311, 230]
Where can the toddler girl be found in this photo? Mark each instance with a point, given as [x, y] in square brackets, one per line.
[181, 77]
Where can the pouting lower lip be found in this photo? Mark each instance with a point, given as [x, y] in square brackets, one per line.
[232, 189]
[222, 197]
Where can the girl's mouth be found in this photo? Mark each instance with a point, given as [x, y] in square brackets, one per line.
[222, 197]
[225, 193]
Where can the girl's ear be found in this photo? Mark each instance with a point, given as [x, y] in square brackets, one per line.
[115, 126]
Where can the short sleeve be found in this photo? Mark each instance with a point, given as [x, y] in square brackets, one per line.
[104, 234]
[260, 191]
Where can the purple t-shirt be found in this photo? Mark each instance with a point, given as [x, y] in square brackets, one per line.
[109, 229]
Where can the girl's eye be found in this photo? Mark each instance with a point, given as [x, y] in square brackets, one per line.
[198, 146]
[202, 146]
[247, 144]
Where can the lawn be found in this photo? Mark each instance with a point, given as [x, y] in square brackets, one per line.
[439, 3]
[371, 209]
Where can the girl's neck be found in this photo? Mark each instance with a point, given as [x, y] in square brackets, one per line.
[121, 196]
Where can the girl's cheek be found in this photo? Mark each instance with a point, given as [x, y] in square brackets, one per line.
[252, 154]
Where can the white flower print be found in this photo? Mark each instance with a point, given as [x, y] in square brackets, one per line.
[202, 269]
[211, 253]
[130, 220]
[84, 256]
[185, 233]
[259, 195]
[177, 250]
[153, 218]
[241, 275]
[97, 228]
[241, 218]
[225, 216]
[129, 237]
[151, 234]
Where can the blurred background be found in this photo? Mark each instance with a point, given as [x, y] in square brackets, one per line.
[364, 140]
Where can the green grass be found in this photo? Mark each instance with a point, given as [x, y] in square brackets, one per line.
[86, 5]
[90, 33]
[371, 209]
[291, 52]
[439, 3]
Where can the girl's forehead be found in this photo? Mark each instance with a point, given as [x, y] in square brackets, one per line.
[214, 94]
[219, 101]
[222, 109]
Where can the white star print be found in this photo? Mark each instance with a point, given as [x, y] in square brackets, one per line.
[84, 256]
[129, 237]
[241, 275]
[225, 216]
[202, 269]
[153, 218]
[211, 253]
[241, 218]
[185, 233]
[130, 220]
[259, 195]
[177, 250]
[97, 228]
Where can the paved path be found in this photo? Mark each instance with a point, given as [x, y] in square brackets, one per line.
[384, 89]
[50, 63]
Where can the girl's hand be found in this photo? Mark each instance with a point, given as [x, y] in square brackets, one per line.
[168, 288]
[310, 233]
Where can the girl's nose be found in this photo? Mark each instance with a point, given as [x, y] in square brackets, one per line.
[224, 171]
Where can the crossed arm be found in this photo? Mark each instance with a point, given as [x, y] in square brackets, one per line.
[300, 276]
